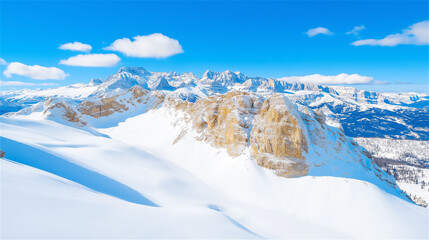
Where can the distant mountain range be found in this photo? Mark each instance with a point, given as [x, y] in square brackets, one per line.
[361, 113]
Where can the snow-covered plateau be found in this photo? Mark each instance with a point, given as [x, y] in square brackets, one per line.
[164, 155]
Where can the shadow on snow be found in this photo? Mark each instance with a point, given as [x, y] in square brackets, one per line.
[34, 157]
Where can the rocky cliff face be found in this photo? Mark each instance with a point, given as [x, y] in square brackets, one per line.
[223, 120]
[277, 139]
[239, 121]
[61, 111]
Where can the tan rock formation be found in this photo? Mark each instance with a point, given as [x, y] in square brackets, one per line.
[101, 108]
[237, 120]
[277, 140]
[223, 120]
[107, 105]
[54, 108]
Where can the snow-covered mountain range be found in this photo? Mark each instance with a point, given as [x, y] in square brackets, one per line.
[223, 156]
[398, 115]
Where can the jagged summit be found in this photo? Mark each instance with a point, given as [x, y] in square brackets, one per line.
[160, 84]
[225, 79]
[221, 82]
[127, 77]
[95, 81]
[134, 70]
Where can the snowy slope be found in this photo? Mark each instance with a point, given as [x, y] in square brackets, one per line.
[38, 204]
[192, 191]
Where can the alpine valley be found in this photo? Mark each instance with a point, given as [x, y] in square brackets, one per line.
[165, 155]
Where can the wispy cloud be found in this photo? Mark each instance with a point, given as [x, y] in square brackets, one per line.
[355, 31]
[154, 45]
[404, 83]
[416, 34]
[379, 82]
[319, 30]
[342, 78]
[2, 62]
[76, 46]
[17, 83]
[92, 60]
[34, 72]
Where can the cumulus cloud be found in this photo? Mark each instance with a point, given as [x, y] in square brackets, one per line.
[416, 34]
[2, 62]
[92, 60]
[154, 45]
[319, 30]
[76, 46]
[342, 78]
[355, 31]
[16, 83]
[34, 72]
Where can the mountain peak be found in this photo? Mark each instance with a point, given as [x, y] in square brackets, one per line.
[208, 74]
[134, 70]
[96, 81]
[227, 75]
[161, 84]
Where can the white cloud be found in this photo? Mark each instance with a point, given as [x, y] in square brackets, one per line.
[76, 46]
[16, 83]
[342, 78]
[319, 30]
[416, 34]
[34, 72]
[154, 45]
[2, 62]
[355, 31]
[92, 60]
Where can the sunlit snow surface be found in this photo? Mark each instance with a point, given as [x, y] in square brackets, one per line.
[125, 184]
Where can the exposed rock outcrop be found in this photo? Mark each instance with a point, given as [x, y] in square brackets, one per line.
[102, 108]
[107, 105]
[61, 111]
[277, 139]
[239, 120]
[223, 120]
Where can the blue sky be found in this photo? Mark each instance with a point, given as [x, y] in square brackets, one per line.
[257, 38]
